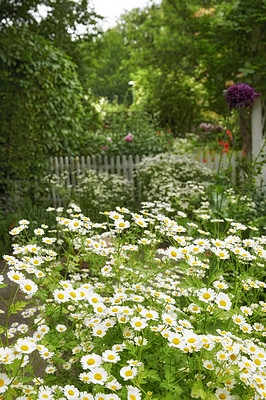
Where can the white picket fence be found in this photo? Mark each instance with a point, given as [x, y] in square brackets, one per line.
[124, 165]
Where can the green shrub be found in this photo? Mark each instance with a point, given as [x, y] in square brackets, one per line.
[177, 179]
[94, 191]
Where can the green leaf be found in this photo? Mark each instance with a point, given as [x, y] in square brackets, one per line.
[197, 390]
[18, 306]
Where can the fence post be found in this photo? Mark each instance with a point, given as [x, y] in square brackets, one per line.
[257, 126]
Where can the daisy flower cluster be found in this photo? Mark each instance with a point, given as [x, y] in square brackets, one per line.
[144, 306]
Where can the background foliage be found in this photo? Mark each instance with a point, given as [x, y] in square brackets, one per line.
[66, 93]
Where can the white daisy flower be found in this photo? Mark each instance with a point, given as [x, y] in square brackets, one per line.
[128, 373]
[91, 361]
[110, 356]
[98, 375]
[4, 382]
[223, 301]
[71, 392]
[133, 393]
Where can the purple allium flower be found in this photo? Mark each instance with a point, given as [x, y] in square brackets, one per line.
[240, 95]
[129, 137]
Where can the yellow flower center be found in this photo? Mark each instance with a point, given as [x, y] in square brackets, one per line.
[222, 396]
[176, 341]
[191, 340]
[138, 324]
[206, 296]
[2, 382]
[132, 397]
[98, 376]
[24, 347]
[61, 296]
[71, 392]
[173, 253]
[90, 361]
[111, 357]
[223, 303]
[16, 277]
[28, 287]
[129, 373]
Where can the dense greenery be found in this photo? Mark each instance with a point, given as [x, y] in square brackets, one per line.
[41, 102]
[64, 92]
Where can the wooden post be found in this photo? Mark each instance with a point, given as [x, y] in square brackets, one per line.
[257, 134]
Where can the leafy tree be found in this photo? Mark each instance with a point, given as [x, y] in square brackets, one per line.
[161, 42]
[231, 43]
[63, 22]
[106, 66]
[41, 102]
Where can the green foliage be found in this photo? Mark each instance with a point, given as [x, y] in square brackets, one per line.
[41, 102]
[58, 21]
[106, 66]
[94, 191]
[231, 43]
[164, 73]
[117, 123]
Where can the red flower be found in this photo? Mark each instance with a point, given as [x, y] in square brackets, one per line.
[221, 143]
[228, 132]
[205, 160]
[158, 133]
[226, 145]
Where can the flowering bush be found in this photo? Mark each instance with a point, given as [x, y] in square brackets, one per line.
[94, 191]
[127, 133]
[140, 321]
[177, 179]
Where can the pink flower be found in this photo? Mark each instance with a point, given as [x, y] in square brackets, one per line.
[129, 137]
